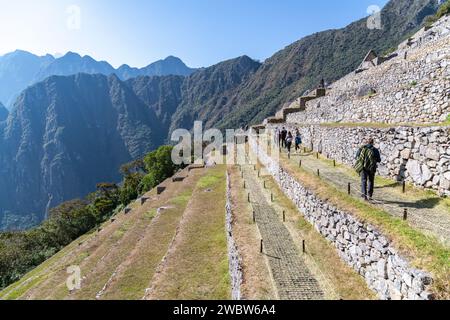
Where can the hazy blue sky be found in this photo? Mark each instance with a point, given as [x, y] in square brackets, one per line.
[137, 32]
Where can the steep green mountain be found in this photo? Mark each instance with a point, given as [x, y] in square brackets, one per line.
[20, 69]
[66, 134]
[329, 55]
[207, 92]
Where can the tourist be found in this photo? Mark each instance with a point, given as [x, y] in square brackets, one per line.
[289, 139]
[283, 137]
[367, 159]
[298, 141]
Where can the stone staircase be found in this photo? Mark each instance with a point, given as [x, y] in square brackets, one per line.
[294, 107]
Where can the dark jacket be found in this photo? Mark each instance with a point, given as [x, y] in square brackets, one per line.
[376, 152]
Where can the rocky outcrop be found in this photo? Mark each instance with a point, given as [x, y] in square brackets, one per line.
[360, 245]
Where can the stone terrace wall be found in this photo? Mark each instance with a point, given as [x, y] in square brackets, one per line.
[415, 90]
[360, 245]
[418, 155]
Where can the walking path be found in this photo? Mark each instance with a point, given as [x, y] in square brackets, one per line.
[427, 213]
[293, 279]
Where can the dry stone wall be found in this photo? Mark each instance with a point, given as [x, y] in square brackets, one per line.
[418, 155]
[411, 90]
[360, 245]
[234, 260]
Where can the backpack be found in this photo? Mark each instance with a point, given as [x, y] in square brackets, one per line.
[298, 140]
[366, 161]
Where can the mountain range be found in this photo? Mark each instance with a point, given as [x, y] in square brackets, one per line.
[67, 133]
[20, 69]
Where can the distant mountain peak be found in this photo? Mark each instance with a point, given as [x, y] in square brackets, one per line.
[71, 54]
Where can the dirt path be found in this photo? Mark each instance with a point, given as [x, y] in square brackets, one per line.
[425, 214]
[293, 279]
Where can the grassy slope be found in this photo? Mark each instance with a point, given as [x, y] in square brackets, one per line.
[100, 254]
[197, 264]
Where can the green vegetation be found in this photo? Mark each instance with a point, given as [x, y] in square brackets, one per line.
[443, 10]
[22, 251]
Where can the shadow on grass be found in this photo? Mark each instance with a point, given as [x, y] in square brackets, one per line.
[421, 204]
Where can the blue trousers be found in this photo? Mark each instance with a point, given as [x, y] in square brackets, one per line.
[367, 183]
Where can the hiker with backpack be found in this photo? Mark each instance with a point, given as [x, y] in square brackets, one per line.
[367, 159]
[298, 141]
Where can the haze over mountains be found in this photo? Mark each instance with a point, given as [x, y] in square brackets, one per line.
[67, 133]
[19, 69]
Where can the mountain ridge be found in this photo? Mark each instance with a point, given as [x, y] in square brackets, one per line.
[20, 69]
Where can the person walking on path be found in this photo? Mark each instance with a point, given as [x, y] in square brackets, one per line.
[289, 140]
[367, 159]
[283, 137]
[298, 141]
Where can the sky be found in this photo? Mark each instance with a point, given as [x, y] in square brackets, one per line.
[138, 32]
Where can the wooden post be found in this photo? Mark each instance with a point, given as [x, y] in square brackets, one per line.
[349, 188]
[304, 246]
[245, 186]
[259, 173]
[249, 197]
[265, 184]
[404, 186]
[254, 216]
[300, 164]
[318, 172]
[284, 216]
[317, 155]
[405, 214]
[271, 197]
[334, 163]
[262, 246]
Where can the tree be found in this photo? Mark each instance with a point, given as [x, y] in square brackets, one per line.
[159, 167]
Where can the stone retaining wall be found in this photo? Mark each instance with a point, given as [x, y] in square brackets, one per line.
[235, 268]
[419, 155]
[360, 245]
[411, 90]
